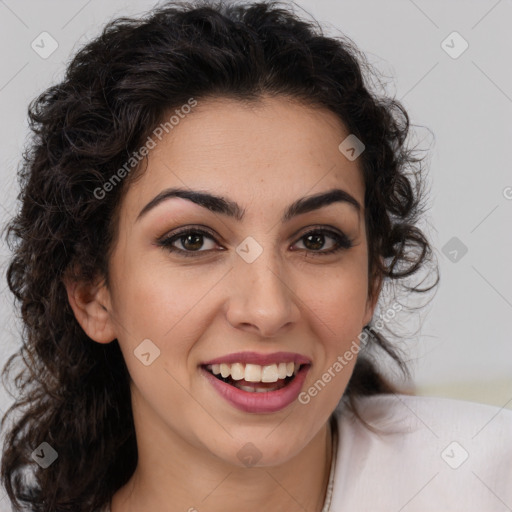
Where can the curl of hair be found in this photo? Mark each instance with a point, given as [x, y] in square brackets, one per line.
[74, 393]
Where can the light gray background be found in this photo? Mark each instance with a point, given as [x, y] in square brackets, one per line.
[464, 348]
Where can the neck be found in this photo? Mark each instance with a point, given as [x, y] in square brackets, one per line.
[173, 476]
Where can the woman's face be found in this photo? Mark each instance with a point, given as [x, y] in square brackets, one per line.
[236, 285]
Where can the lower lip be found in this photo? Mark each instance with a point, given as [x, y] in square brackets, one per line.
[270, 401]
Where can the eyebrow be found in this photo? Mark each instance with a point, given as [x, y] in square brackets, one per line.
[225, 206]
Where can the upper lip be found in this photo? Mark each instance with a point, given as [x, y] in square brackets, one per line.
[260, 359]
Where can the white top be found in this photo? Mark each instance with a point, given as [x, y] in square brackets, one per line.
[429, 455]
[433, 455]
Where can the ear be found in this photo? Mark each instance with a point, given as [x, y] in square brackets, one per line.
[373, 297]
[91, 305]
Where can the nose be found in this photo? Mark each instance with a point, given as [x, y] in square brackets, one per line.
[261, 296]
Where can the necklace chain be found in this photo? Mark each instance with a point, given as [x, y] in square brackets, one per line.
[334, 451]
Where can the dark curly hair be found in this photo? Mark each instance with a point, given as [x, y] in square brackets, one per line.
[74, 393]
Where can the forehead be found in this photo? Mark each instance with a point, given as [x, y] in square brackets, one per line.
[276, 149]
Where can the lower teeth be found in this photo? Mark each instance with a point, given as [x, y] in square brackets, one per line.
[280, 384]
[255, 390]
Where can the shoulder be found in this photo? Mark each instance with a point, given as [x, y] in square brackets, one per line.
[428, 453]
[443, 414]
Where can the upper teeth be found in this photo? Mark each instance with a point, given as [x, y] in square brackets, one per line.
[255, 372]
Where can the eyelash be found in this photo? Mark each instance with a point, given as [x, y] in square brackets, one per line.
[342, 241]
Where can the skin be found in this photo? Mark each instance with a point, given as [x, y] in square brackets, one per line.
[264, 157]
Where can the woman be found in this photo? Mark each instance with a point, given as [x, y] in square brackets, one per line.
[210, 208]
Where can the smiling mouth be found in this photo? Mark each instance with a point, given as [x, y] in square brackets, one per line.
[255, 387]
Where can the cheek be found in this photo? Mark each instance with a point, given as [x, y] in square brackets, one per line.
[163, 304]
[338, 296]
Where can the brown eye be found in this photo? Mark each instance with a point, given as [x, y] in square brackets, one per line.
[315, 240]
[191, 241]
